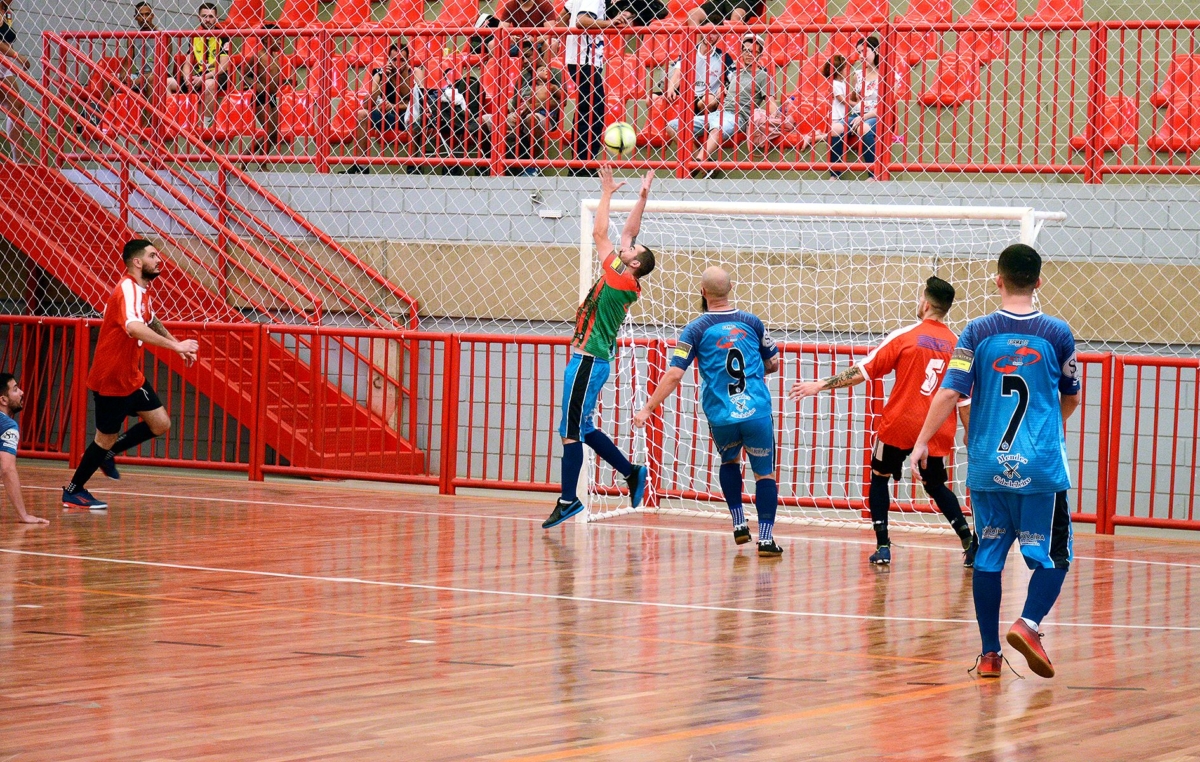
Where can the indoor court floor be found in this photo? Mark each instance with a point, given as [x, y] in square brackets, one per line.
[210, 618]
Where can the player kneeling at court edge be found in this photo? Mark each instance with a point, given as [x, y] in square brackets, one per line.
[1018, 367]
[595, 342]
[12, 400]
[735, 354]
[919, 354]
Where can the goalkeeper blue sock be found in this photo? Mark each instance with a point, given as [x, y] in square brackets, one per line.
[766, 501]
[572, 462]
[731, 487]
[1044, 587]
[604, 447]
[986, 590]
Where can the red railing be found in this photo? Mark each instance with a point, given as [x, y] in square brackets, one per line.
[1090, 98]
[482, 411]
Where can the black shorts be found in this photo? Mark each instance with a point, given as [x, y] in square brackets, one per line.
[890, 460]
[111, 412]
[719, 11]
[264, 99]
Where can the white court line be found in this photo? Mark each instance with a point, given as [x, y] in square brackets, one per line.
[550, 597]
[603, 525]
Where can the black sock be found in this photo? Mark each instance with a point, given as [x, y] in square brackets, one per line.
[880, 500]
[137, 433]
[93, 456]
[947, 503]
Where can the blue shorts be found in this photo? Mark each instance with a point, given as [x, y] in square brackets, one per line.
[584, 378]
[1040, 522]
[756, 436]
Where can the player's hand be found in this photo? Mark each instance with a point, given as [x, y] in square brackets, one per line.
[607, 184]
[647, 181]
[641, 417]
[30, 519]
[802, 389]
[187, 349]
[918, 460]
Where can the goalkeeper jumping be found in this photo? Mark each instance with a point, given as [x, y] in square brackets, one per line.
[595, 341]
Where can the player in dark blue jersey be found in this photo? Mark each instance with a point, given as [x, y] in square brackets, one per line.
[1018, 367]
[12, 399]
[734, 354]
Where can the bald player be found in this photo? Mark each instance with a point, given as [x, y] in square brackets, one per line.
[734, 354]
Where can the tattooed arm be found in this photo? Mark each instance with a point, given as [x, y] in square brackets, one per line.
[849, 377]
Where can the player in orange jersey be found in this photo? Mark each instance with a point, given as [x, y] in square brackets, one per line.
[920, 354]
[117, 382]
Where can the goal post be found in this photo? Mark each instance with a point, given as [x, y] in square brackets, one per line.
[829, 281]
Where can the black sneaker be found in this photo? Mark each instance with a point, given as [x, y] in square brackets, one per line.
[637, 485]
[969, 553]
[109, 468]
[562, 511]
[882, 556]
[741, 534]
[769, 549]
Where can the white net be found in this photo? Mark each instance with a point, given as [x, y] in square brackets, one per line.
[829, 283]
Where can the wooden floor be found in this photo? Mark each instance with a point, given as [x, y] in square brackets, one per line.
[207, 618]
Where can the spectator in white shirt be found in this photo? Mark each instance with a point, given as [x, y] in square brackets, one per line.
[585, 64]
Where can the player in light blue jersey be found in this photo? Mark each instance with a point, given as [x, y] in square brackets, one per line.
[1018, 367]
[12, 400]
[734, 354]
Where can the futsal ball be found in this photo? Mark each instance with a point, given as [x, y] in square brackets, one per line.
[620, 141]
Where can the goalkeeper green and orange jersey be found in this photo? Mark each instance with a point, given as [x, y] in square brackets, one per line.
[603, 311]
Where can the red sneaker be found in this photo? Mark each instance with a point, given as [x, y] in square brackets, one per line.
[1029, 642]
[988, 665]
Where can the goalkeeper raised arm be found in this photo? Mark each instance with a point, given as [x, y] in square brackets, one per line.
[593, 345]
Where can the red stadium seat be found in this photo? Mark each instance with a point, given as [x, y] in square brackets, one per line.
[624, 80]
[1058, 10]
[114, 66]
[1180, 130]
[234, 118]
[857, 12]
[183, 113]
[1118, 124]
[298, 14]
[245, 14]
[403, 13]
[345, 116]
[661, 46]
[808, 108]
[296, 115]
[366, 48]
[786, 47]
[458, 13]
[957, 82]
[659, 112]
[913, 47]
[1182, 69]
[350, 14]
[987, 46]
[122, 116]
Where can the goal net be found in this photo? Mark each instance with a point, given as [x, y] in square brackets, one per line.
[829, 281]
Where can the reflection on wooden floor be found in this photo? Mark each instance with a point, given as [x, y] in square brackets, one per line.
[207, 618]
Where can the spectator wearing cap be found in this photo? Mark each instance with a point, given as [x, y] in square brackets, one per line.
[864, 100]
[751, 87]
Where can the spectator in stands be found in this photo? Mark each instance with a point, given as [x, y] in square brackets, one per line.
[837, 69]
[10, 60]
[714, 67]
[208, 64]
[140, 75]
[585, 64]
[735, 11]
[864, 101]
[395, 100]
[641, 12]
[266, 73]
[750, 88]
[536, 106]
[526, 13]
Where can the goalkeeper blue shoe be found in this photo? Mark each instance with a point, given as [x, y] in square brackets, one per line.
[882, 556]
[562, 511]
[637, 485]
[109, 468]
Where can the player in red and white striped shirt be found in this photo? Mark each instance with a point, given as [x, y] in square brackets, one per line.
[118, 384]
[920, 354]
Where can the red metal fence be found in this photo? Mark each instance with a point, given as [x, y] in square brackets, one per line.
[481, 411]
[1089, 99]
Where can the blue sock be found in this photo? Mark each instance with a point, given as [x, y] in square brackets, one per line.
[1044, 587]
[986, 587]
[604, 447]
[731, 488]
[766, 501]
[572, 462]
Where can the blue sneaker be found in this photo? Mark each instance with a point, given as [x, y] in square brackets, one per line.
[82, 499]
[562, 511]
[109, 468]
[637, 485]
[882, 556]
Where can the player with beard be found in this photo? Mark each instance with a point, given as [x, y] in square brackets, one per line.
[118, 384]
[12, 400]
